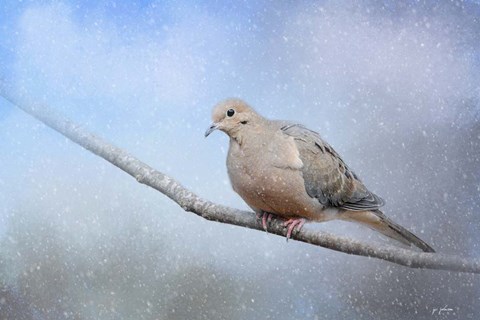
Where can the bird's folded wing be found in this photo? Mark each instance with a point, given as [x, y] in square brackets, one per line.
[326, 176]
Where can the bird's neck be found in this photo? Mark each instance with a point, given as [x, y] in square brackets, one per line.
[247, 137]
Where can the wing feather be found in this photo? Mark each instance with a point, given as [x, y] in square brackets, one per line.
[326, 175]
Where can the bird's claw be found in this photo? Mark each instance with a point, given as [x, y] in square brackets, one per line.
[266, 218]
[293, 224]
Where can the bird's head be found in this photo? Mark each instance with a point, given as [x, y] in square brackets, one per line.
[233, 116]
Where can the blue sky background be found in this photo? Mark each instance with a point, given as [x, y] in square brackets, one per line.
[392, 86]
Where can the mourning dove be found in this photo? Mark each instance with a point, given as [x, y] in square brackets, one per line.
[286, 170]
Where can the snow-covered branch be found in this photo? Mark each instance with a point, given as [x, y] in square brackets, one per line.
[191, 202]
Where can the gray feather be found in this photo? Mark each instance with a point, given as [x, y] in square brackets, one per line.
[326, 175]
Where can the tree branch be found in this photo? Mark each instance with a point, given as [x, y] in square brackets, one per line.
[189, 201]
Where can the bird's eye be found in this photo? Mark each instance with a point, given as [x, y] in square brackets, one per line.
[230, 112]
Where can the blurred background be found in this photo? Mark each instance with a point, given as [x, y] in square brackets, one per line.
[393, 86]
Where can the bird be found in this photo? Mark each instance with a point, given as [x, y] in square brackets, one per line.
[284, 170]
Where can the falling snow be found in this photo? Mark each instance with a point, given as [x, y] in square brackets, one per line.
[393, 86]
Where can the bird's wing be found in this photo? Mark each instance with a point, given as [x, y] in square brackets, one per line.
[326, 176]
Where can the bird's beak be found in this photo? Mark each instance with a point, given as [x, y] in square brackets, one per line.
[212, 128]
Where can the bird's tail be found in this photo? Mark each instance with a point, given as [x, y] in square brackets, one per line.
[377, 221]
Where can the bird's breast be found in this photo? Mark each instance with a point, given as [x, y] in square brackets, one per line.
[269, 183]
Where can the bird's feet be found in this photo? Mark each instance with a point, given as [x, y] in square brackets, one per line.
[266, 218]
[294, 224]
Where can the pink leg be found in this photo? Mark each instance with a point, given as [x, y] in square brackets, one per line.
[292, 224]
[266, 218]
